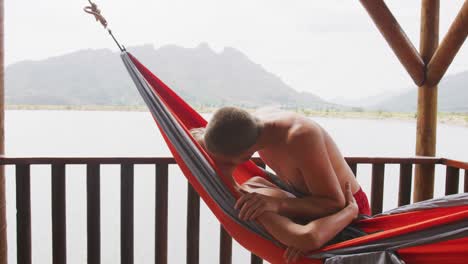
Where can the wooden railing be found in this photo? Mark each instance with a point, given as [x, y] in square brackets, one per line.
[59, 256]
[452, 182]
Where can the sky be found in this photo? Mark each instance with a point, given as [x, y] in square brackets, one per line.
[330, 48]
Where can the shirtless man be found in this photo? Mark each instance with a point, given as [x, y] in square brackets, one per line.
[301, 153]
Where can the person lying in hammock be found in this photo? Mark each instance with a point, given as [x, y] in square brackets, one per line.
[304, 156]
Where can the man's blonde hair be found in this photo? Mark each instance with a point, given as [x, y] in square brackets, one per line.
[230, 131]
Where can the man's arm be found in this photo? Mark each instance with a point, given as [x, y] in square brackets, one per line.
[313, 235]
[253, 205]
[309, 149]
[308, 208]
[324, 229]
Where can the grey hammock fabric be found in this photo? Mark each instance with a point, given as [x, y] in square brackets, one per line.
[379, 257]
[446, 201]
[433, 235]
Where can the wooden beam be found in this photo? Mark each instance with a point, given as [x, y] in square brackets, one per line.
[396, 38]
[392, 160]
[455, 163]
[3, 223]
[449, 47]
[426, 130]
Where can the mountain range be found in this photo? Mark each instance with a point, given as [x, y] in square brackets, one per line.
[452, 94]
[199, 75]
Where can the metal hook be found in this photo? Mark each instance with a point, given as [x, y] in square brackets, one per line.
[96, 12]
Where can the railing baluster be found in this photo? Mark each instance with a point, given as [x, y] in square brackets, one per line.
[452, 180]
[126, 213]
[406, 179]
[378, 172]
[23, 214]
[353, 167]
[93, 205]
[254, 259]
[193, 226]
[466, 181]
[59, 230]
[161, 213]
[225, 243]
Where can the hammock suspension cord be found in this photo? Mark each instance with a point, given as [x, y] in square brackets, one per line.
[96, 12]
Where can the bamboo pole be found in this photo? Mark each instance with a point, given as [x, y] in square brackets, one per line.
[3, 230]
[449, 47]
[426, 130]
[396, 38]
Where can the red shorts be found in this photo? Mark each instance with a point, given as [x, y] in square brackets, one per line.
[362, 202]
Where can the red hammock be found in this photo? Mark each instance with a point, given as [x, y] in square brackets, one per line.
[449, 251]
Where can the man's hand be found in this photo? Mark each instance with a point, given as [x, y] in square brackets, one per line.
[350, 201]
[252, 205]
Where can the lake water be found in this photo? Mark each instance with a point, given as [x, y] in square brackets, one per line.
[94, 133]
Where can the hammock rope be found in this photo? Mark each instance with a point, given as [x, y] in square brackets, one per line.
[96, 12]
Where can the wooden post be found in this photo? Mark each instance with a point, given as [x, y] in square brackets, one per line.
[3, 223]
[452, 180]
[377, 188]
[161, 202]
[396, 38]
[93, 215]
[427, 103]
[465, 189]
[126, 213]
[449, 47]
[59, 219]
[225, 247]
[254, 259]
[23, 214]
[353, 167]
[193, 226]
[404, 190]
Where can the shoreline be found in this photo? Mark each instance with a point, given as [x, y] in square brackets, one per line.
[456, 119]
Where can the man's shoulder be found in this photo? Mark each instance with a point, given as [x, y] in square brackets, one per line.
[303, 130]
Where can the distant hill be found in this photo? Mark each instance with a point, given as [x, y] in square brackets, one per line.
[452, 97]
[200, 75]
[367, 101]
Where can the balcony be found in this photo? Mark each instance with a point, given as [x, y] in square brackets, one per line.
[377, 165]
